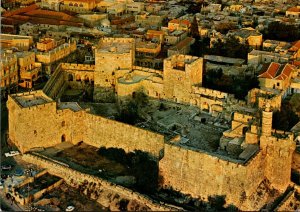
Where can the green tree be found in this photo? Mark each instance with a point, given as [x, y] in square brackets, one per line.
[282, 31]
[129, 112]
[286, 118]
[195, 29]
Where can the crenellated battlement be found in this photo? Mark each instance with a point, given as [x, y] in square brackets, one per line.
[209, 92]
[117, 40]
[78, 67]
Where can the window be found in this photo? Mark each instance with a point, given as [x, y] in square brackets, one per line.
[63, 138]
[63, 123]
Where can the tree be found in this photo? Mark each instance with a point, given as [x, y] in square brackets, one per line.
[281, 31]
[217, 202]
[129, 112]
[195, 29]
[286, 118]
[230, 47]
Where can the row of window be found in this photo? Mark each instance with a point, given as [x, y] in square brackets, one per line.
[75, 5]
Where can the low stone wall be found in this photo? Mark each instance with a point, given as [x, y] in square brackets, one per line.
[69, 175]
[28, 199]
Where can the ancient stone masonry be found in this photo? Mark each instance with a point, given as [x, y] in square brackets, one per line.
[70, 175]
[201, 174]
[260, 154]
[70, 123]
[112, 56]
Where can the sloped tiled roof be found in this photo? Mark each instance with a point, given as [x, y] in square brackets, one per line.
[277, 71]
[296, 46]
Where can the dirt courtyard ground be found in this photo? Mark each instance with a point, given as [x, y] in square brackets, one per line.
[62, 197]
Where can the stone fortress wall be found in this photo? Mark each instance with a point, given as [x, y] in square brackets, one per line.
[74, 125]
[70, 175]
[180, 167]
[191, 171]
[202, 174]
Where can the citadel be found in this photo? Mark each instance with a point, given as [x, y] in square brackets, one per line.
[204, 141]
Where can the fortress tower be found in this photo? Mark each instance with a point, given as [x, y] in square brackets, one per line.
[181, 72]
[114, 57]
[277, 147]
[267, 115]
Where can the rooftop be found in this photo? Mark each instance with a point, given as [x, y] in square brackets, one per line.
[69, 105]
[294, 9]
[276, 71]
[115, 47]
[31, 98]
[221, 59]
[245, 33]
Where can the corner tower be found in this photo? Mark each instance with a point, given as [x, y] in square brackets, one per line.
[181, 72]
[277, 147]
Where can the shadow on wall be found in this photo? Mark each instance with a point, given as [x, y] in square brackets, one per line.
[141, 166]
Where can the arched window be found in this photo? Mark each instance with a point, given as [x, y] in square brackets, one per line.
[75, 5]
[81, 5]
[86, 78]
[63, 123]
[63, 138]
[71, 4]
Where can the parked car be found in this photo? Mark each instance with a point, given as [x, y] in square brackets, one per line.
[70, 208]
[6, 167]
[19, 172]
[11, 153]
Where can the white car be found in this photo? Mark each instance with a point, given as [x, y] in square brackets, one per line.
[70, 208]
[11, 153]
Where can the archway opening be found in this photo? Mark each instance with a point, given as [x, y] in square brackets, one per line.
[63, 138]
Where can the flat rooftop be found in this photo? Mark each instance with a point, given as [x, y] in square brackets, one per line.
[69, 105]
[31, 99]
[115, 47]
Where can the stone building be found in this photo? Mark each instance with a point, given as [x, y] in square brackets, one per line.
[293, 12]
[20, 42]
[252, 155]
[9, 71]
[78, 6]
[146, 54]
[257, 57]
[253, 37]
[29, 70]
[51, 4]
[135, 7]
[56, 54]
[276, 76]
[113, 57]
[177, 24]
[144, 19]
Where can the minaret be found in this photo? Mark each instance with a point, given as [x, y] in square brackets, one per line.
[266, 127]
